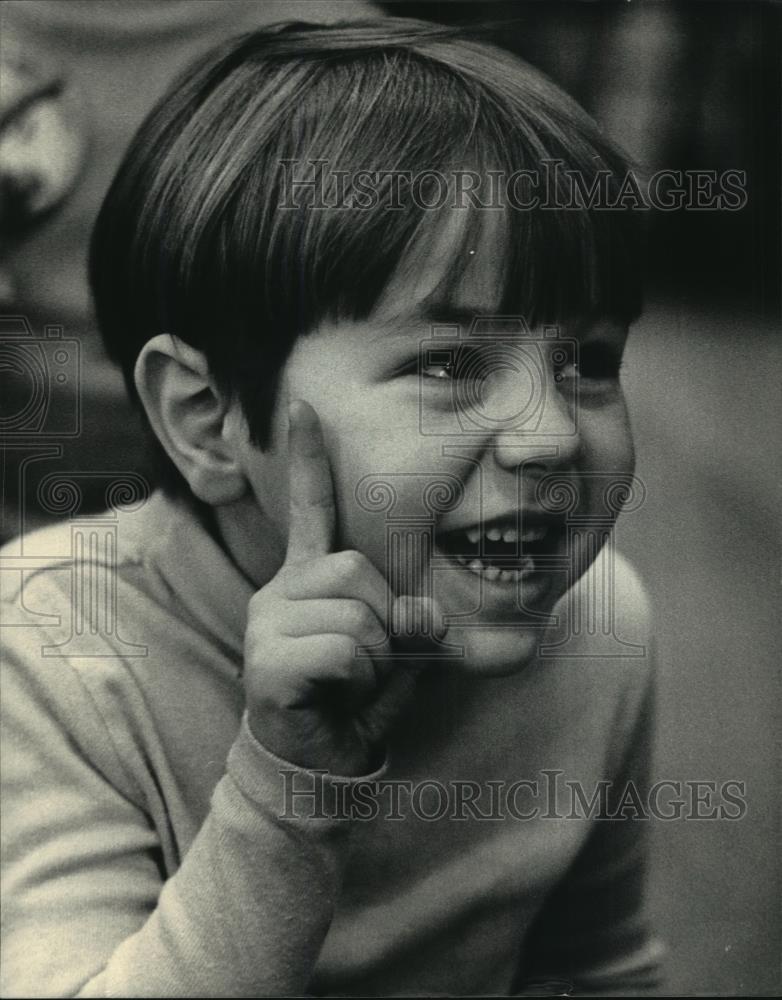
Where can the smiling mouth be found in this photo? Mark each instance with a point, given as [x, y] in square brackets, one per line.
[500, 553]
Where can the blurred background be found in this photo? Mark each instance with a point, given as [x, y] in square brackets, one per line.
[686, 86]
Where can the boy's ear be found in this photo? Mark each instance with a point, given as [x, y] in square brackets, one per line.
[191, 418]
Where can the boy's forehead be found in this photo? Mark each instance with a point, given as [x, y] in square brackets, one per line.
[424, 279]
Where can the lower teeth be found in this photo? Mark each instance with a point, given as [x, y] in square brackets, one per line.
[493, 573]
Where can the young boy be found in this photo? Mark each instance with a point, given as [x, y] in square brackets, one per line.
[346, 760]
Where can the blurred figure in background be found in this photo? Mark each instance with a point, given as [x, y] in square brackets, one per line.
[77, 79]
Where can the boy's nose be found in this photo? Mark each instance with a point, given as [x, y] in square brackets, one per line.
[546, 429]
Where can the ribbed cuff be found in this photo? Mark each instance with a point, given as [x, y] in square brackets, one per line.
[294, 793]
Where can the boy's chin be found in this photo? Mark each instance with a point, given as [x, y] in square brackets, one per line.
[494, 652]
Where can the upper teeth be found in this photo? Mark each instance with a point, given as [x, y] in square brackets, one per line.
[506, 534]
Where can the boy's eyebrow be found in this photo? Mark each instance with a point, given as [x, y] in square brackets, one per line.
[435, 312]
[430, 313]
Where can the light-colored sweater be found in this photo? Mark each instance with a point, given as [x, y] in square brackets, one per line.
[152, 847]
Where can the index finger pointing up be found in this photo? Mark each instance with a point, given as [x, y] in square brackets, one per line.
[312, 506]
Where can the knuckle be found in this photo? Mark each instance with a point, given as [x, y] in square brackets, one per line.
[350, 563]
[287, 576]
[342, 650]
[361, 620]
[375, 637]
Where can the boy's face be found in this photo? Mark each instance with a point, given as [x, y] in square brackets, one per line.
[504, 413]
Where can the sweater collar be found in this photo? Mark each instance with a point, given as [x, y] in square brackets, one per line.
[181, 542]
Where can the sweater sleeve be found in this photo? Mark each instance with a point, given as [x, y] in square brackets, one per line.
[592, 936]
[87, 910]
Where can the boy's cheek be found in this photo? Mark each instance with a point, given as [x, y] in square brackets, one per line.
[607, 440]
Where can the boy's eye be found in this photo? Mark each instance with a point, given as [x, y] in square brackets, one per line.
[596, 363]
[450, 364]
[439, 370]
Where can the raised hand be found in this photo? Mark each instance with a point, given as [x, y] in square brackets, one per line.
[312, 698]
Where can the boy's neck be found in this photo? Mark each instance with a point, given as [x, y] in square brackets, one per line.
[249, 538]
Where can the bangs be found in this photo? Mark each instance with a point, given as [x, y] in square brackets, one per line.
[553, 267]
[432, 122]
